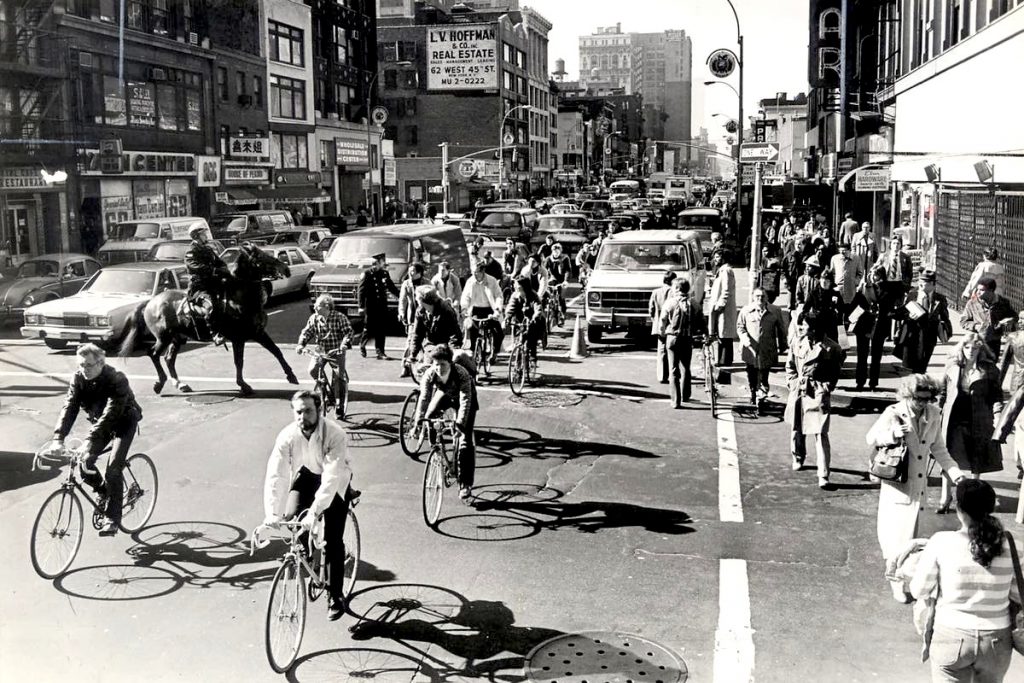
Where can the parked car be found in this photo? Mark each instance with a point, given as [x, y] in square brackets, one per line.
[43, 278]
[174, 250]
[130, 241]
[100, 311]
[301, 265]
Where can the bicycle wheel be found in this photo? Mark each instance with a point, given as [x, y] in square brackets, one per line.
[353, 548]
[324, 391]
[517, 369]
[408, 438]
[433, 487]
[343, 399]
[140, 489]
[57, 533]
[481, 354]
[286, 615]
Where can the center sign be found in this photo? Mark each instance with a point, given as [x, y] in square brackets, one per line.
[462, 57]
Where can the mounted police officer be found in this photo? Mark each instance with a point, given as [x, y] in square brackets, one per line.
[207, 273]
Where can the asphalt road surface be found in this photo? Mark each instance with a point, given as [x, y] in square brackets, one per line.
[600, 509]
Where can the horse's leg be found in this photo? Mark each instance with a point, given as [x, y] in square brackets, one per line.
[171, 357]
[238, 349]
[154, 355]
[264, 340]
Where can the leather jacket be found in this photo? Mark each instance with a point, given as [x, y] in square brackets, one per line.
[108, 401]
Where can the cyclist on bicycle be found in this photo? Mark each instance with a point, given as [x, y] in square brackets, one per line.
[559, 270]
[539, 277]
[524, 308]
[481, 300]
[110, 405]
[436, 323]
[447, 384]
[309, 470]
[330, 330]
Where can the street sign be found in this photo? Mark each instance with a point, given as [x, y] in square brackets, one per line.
[721, 63]
[758, 151]
[873, 179]
[748, 174]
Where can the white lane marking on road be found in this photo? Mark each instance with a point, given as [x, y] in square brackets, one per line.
[734, 638]
[730, 505]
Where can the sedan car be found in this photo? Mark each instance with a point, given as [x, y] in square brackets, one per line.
[174, 250]
[564, 208]
[43, 278]
[100, 312]
[320, 249]
[302, 268]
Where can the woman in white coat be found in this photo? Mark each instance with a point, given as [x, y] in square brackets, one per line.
[916, 419]
[722, 320]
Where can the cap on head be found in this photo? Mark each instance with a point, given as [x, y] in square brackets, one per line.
[196, 230]
[928, 276]
[379, 257]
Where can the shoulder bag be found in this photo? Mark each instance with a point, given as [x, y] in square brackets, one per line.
[1016, 611]
[890, 462]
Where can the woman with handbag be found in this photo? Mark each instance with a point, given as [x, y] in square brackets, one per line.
[972, 570]
[973, 397]
[913, 424]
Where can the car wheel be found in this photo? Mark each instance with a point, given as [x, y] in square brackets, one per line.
[305, 287]
[56, 344]
[594, 334]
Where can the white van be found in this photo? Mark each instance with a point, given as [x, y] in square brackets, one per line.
[131, 241]
[629, 267]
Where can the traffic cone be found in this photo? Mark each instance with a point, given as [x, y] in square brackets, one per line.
[578, 350]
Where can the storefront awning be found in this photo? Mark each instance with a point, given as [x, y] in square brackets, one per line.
[298, 194]
[237, 197]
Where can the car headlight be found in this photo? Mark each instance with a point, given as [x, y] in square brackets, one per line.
[99, 321]
[28, 300]
[32, 318]
[594, 298]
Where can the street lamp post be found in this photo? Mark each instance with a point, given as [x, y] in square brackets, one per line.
[605, 150]
[501, 148]
[739, 134]
[371, 205]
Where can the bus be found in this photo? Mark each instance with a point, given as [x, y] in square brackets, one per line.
[630, 187]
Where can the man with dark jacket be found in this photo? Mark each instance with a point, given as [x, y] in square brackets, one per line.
[372, 294]
[110, 405]
[436, 322]
[207, 272]
[681, 321]
[988, 314]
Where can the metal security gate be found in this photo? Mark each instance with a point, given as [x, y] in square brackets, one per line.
[968, 223]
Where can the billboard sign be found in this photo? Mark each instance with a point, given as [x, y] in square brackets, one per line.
[462, 57]
[873, 179]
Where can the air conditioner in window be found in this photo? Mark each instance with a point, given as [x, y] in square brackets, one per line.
[85, 59]
[193, 38]
[154, 73]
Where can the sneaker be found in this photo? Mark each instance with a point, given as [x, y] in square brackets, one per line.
[381, 355]
[335, 608]
[108, 529]
[362, 350]
[824, 484]
[465, 495]
[219, 340]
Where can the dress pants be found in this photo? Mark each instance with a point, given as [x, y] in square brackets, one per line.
[757, 378]
[871, 346]
[725, 352]
[680, 352]
[375, 326]
[111, 484]
[662, 361]
[300, 497]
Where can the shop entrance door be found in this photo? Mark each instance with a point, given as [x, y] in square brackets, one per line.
[18, 229]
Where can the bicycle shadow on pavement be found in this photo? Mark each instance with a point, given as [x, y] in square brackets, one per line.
[482, 635]
[16, 471]
[361, 663]
[590, 517]
[517, 443]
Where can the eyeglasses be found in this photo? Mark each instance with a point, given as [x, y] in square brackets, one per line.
[90, 366]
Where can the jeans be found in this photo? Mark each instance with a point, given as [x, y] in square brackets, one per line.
[970, 656]
[680, 352]
[375, 325]
[662, 361]
[111, 484]
[757, 378]
[467, 447]
[300, 497]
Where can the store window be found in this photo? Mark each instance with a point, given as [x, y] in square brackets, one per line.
[115, 111]
[141, 104]
[289, 151]
[287, 98]
[193, 111]
[286, 44]
[167, 108]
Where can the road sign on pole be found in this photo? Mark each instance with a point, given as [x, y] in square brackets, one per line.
[759, 151]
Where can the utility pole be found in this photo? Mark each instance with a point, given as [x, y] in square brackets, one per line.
[444, 177]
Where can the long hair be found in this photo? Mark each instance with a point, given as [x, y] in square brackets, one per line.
[977, 500]
[984, 353]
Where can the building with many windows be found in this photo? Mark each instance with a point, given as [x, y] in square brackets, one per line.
[539, 86]
[606, 58]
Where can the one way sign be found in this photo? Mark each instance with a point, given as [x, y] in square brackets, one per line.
[759, 151]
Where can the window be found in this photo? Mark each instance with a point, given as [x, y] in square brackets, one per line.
[521, 58]
[115, 112]
[340, 45]
[225, 135]
[287, 98]
[407, 51]
[257, 92]
[388, 52]
[343, 97]
[193, 111]
[286, 44]
[240, 82]
[413, 133]
[509, 80]
[289, 151]
[158, 17]
[167, 108]
[222, 83]
[326, 158]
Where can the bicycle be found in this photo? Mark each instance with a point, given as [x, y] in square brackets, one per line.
[522, 365]
[301, 575]
[484, 345]
[440, 471]
[58, 528]
[708, 361]
[325, 384]
[553, 307]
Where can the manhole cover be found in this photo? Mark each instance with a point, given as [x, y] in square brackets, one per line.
[209, 399]
[603, 657]
[547, 399]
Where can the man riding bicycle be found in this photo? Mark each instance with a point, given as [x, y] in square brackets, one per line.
[481, 300]
[110, 405]
[330, 330]
[309, 470]
[436, 323]
[447, 384]
[559, 270]
[525, 309]
[207, 273]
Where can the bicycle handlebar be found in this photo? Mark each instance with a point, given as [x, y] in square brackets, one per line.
[67, 453]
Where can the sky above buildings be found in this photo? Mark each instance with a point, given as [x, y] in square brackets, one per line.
[774, 36]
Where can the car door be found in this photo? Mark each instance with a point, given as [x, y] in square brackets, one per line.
[301, 266]
[283, 284]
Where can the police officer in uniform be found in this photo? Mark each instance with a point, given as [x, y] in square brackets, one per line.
[207, 273]
[373, 304]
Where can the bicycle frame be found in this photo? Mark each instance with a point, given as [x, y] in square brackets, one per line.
[70, 481]
[296, 550]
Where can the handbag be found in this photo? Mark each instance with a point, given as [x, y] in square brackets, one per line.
[1016, 615]
[890, 462]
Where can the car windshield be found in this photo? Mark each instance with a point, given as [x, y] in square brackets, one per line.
[560, 224]
[136, 231]
[228, 223]
[38, 269]
[644, 256]
[174, 251]
[711, 221]
[501, 219]
[348, 251]
[111, 281]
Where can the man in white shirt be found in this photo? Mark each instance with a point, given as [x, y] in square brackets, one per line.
[481, 299]
[309, 471]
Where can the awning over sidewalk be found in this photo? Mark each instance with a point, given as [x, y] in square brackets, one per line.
[239, 197]
[298, 194]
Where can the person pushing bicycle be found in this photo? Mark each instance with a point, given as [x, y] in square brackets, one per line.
[331, 330]
[448, 384]
[109, 403]
[309, 472]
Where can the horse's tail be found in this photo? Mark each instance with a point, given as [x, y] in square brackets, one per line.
[136, 322]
